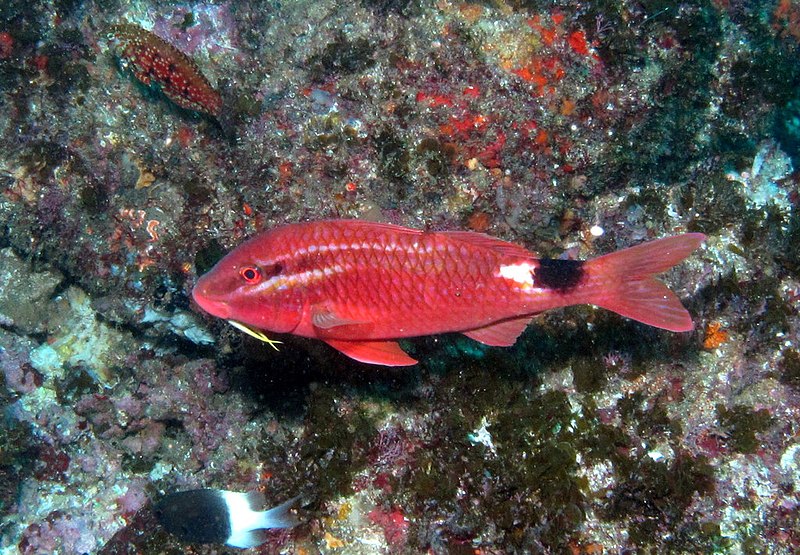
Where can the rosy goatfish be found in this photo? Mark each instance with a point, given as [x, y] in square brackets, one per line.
[359, 286]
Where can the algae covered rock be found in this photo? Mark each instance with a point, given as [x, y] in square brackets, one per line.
[24, 293]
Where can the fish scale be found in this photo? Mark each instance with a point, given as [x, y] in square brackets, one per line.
[360, 286]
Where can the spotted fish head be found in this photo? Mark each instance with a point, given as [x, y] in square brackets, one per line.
[249, 286]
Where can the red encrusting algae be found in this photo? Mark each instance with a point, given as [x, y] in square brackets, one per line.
[151, 58]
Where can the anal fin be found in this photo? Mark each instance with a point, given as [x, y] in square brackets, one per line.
[245, 539]
[501, 334]
[387, 353]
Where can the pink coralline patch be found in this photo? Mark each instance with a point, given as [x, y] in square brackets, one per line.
[22, 378]
[392, 447]
[711, 444]
[129, 405]
[394, 524]
[133, 499]
[147, 441]
[200, 26]
[58, 533]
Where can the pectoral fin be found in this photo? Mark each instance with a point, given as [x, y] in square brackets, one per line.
[387, 353]
[503, 334]
[326, 318]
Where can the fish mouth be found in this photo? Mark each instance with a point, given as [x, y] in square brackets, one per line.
[205, 299]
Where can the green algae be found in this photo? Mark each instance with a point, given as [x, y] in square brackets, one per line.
[407, 8]
[41, 158]
[713, 201]
[209, 255]
[766, 313]
[767, 74]
[332, 451]
[136, 463]
[789, 367]
[15, 443]
[341, 56]
[657, 147]
[17, 457]
[393, 155]
[786, 128]
[699, 537]
[533, 461]
[588, 374]
[435, 156]
[537, 438]
[741, 424]
[648, 421]
[654, 495]
[93, 196]
[789, 255]
[77, 382]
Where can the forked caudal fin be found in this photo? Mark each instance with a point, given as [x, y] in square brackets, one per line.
[624, 282]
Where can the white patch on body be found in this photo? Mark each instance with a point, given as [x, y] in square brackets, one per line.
[521, 273]
[243, 518]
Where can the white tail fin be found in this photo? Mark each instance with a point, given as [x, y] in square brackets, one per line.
[280, 516]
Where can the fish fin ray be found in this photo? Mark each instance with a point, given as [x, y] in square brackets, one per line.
[628, 287]
[324, 318]
[500, 334]
[371, 226]
[247, 538]
[256, 500]
[387, 353]
[485, 241]
[281, 516]
[651, 258]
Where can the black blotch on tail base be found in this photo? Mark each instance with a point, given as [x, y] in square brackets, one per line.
[560, 275]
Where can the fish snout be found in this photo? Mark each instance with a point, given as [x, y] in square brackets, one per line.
[210, 300]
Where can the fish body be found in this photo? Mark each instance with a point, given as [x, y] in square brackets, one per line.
[221, 516]
[360, 286]
[152, 59]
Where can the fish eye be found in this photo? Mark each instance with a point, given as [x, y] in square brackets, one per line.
[250, 274]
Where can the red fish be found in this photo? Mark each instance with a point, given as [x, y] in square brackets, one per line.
[153, 59]
[360, 286]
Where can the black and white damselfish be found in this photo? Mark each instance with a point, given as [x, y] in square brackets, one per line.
[220, 516]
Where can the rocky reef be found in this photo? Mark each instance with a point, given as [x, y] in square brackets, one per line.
[574, 129]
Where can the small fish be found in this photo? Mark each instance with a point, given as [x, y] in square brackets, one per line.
[220, 516]
[360, 286]
[152, 59]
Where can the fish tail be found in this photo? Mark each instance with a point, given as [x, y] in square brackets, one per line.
[624, 282]
[280, 516]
